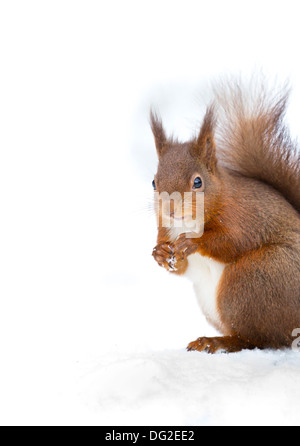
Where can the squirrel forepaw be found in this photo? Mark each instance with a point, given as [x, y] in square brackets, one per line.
[164, 255]
[185, 246]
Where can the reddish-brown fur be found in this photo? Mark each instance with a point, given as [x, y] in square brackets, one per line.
[251, 178]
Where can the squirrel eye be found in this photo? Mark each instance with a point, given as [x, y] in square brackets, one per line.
[154, 185]
[197, 183]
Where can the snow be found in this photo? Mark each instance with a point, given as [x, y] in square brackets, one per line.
[176, 388]
[92, 331]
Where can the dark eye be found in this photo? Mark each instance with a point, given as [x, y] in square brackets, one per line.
[197, 183]
[154, 185]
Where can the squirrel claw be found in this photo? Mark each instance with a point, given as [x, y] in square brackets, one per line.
[203, 344]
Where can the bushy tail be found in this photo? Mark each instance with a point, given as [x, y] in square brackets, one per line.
[252, 138]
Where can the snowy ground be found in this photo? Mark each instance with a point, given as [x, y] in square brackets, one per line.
[173, 388]
[92, 331]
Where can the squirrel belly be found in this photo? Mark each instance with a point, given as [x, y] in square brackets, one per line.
[206, 273]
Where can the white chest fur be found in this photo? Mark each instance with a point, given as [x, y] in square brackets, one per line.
[205, 273]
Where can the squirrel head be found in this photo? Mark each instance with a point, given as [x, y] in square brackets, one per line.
[188, 167]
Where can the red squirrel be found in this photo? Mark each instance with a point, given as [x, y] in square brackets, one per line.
[245, 267]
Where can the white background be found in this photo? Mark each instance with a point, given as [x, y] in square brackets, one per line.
[91, 330]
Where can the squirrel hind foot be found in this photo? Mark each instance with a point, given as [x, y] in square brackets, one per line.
[226, 344]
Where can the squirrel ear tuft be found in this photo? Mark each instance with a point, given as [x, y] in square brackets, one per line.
[158, 132]
[204, 147]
